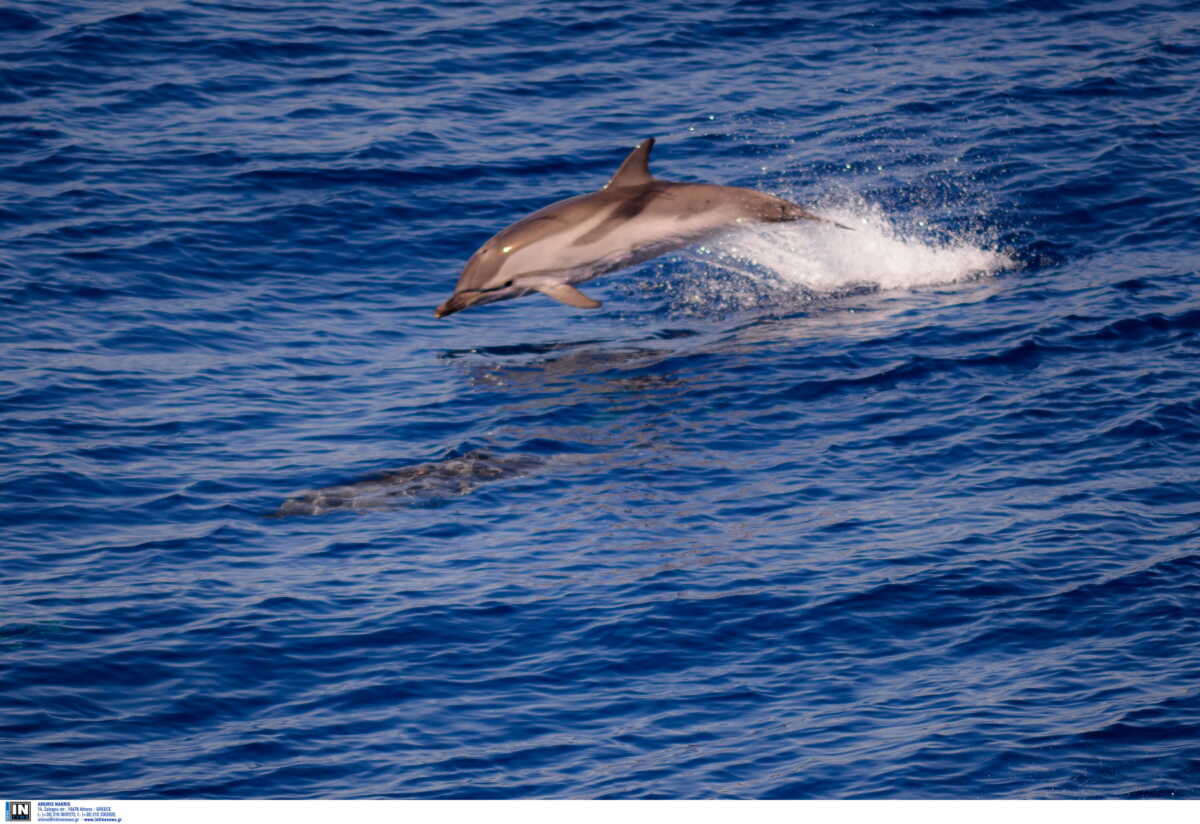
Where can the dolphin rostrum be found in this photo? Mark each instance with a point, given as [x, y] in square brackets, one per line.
[635, 217]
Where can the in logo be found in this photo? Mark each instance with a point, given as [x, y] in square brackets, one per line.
[18, 811]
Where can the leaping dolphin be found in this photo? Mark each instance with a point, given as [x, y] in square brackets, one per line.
[634, 218]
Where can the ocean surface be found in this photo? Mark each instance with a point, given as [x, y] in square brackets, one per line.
[909, 511]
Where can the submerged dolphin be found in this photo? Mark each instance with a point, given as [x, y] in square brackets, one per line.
[635, 217]
[409, 484]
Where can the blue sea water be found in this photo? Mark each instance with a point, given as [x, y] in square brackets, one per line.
[908, 511]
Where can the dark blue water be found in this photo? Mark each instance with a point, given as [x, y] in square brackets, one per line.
[909, 511]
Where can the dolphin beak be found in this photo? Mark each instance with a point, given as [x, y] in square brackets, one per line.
[455, 303]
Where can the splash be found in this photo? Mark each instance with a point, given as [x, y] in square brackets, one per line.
[804, 262]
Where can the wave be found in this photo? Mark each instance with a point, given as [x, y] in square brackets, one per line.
[760, 266]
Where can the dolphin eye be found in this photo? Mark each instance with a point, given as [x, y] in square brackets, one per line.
[507, 283]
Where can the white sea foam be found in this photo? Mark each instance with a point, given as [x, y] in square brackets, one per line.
[809, 260]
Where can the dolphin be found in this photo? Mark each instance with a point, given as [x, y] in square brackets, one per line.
[411, 484]
[633, 218]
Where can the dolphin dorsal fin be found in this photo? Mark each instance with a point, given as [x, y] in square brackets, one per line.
[636, 168]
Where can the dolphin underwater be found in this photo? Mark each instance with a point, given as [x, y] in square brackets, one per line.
[633, 218]
[411, 484]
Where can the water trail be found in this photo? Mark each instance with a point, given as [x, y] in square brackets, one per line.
[802, 262]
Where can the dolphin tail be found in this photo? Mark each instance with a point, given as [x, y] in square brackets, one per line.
[835, 223]
[791, 212]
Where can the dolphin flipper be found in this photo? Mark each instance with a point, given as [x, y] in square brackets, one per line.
[568, 294]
